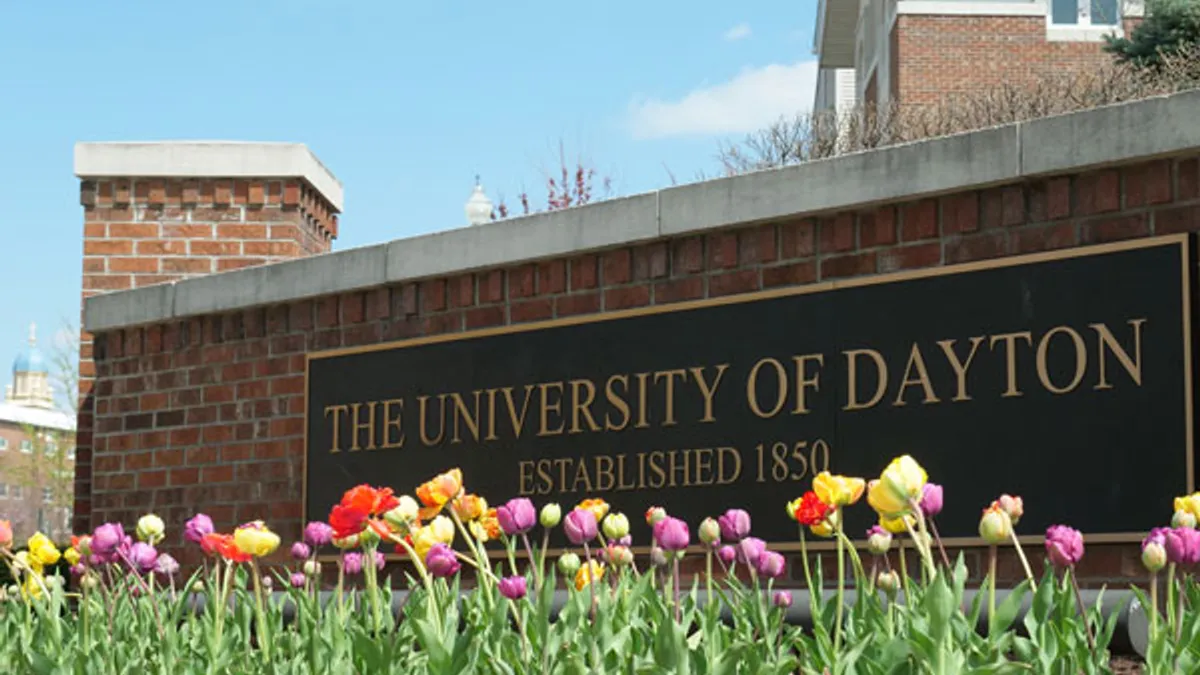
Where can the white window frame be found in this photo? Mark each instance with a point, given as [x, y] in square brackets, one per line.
[1083, 30]
[3, 444]
[27, 446]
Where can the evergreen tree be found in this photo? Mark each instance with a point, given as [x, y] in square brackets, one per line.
[1168, 26]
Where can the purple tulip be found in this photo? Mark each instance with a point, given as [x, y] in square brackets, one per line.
[782, 599]
[750, 549]
[518, 516]
[1182, 545]
[107, 538]
[166, 565]
[380, 560]
[580, 526]
[297, 579]
[143, 556]
[440, 561]
[352, 562]
[195, 529]
[735, 525]
[1064, 545]
[300, 551]
[672, 534]
[78, 569]
[727, 554]
[771, 564]
[513, 588]
[931, 500]
[317, 534]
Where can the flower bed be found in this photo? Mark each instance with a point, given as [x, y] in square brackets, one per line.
[132, 614]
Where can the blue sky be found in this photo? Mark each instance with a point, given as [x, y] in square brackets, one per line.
[404, 101]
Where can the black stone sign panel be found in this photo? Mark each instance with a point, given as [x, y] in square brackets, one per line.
[1063, 377]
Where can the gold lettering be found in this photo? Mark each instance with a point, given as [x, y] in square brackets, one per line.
[704, 466]
[1132, 366]
[915, 359]
[723, 477]
[617, 402]
[357, 425]
[389, 423]
[852, 355]
[337, 410]
[641, 470]
[1010, 353]
[421, 401]
[581, 474]
[518, 421]
[543, 469]
[803, 381]
[462, 413]
[621, 484]
[562, 464]
[674, 468]
[491, 415]
[656, 467]
[708, 390]
[960, 368]
[605, 478]
[1080, 359]
[752, 388]
[641, 381]
[547, 407]
[522, 490]
[577, 407]
[669, 386]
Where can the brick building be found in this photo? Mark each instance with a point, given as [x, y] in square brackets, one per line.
[922, 51]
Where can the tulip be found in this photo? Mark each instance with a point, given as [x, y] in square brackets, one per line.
[443, 529]
[568, 564]
[404, 514]
[297, 580]
[1189, 504]
[888, 581]
[809, 510]
[300, 551]
[71, 556]
[423, 539]
[898, 525]
[6, 534]
[782, 599]
[598, 507]
[827, 527]
[838, 491]
[196, 527]
[618, 556]
[995, 526]
[1013, 506]
[442, 488]
[1182, 545]
[735, 525]
[311, 568]
[107, 538]
[318, 534]
[469, 507]
[441, 561]
[82, 544]
[550, 516]
[709, 531]
[344, 543]
[580, 526]
[513, 588]
[1183, 519]
[899, 486]
[591, 571]
[1064, 545]
[256, 539]
[658, 557]
[78, 570]
[879, 540]
[267, 582]
[616, 525]
[380, 560]
[1154, 556]
[749, 550]
[143, 556]
[150, 529]
[352, 563]
[771, 564]
[931, 500]
[42, 551]
[518, 516]
[727, 554]
[672, 534]
[655, 514]
[166, 565]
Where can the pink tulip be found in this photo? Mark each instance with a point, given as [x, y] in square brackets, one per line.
[931, 500]
[297, 579]
[518, 516]
[749, 550]
[735, 525]
[352, 563]
[672, 534]
[782, 599]
[771, 564]
[440, 561]
[513, 588]
[317, 534]
[1064, 545]
[198, 526]
[727, 554]
[300, 551]
[580, 526]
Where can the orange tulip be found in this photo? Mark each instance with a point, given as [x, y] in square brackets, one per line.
[437, 492]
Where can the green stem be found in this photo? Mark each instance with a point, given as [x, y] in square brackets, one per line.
[372, 575]
[1153, 605]
[812, 592]
[1020, 551]
[841, 589]
[992, 591]
[264, 633]
[708, 575]
[1171, 597]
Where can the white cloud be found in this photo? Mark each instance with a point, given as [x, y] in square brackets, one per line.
[753, 99]
[738, 32]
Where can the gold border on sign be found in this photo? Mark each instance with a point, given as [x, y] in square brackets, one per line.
[1182, 240]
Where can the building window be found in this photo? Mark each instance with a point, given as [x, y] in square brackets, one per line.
[27, 446]
[16, 492]
[3, 489]
[46, 495]
[1085, 13]
[3, 444]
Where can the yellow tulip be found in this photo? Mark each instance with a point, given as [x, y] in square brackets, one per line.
[827, 527]
[423, 539]
[898, 488]
[469, 507]
[838, 491]
[587, 573]
[42, 551]
[71, 556]
[896, 525]
[442, 529]
[1189, 503]
[598, 507]
[255, 539]
[792, 506]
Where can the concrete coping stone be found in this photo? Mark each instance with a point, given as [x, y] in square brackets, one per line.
[1090, 139]
[207, 159]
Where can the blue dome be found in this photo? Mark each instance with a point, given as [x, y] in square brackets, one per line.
[31, 360]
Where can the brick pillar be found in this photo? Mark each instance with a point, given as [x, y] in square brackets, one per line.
[160, 212]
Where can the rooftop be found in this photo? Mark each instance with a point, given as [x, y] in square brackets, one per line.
[40, 418]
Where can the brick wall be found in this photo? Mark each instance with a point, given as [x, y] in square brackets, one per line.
[207, 413]
[140, 232]
[940, 56]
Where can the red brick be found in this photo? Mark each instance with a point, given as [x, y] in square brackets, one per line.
[482, 317]
[136, 265]
[837, 233]
[650, 261]
[1179, 219]
[240, 231]
[729, 283]
[133, 230]
[187, 265]
[1114, 229]
[909, 257]
[1045, 237]
[151, 479]
[789, 275]
[204, 247]
[616, 267]
[976, 247]
[108, 247]
[1058, 198]
[1189, 179]
[433, 295]
[1148, 183]
[531, 310]
[462, 290]
[273, 249]
[722, 250]
[626, 297]
[687, 256]
[848, 265]
[584, 274]
[185, 476]
[107, 282]
[408, 299]
[960, 213]
[919, 220]
[1012, 205]
[577, 303]
[217, 474]
[877, 228]
[552, 277]
[162, 247]
[678, 290]
[491, 286]
[226, 264]
[522, 281]
[1098, 192]
[168, 457]
[797, 239]
[757, 245]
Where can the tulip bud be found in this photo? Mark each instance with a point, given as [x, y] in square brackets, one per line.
[369, 537]
[1183, 519]
[1013, 506]
[150, 529]
[550, 516]
[198, 587]
[267, 582]
[655, 514]
[658, 557]
[995, 526]
[1154, 556]
[879, 540]
[404, 514]
[619, 556]
[14, 590]
[346, 543]
[312, 568]
[89, 581]
[888, 582]
[616, 525]
[709, 531]
[568, 564]
[53, 582]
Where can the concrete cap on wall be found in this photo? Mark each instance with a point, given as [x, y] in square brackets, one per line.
[207, 159]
